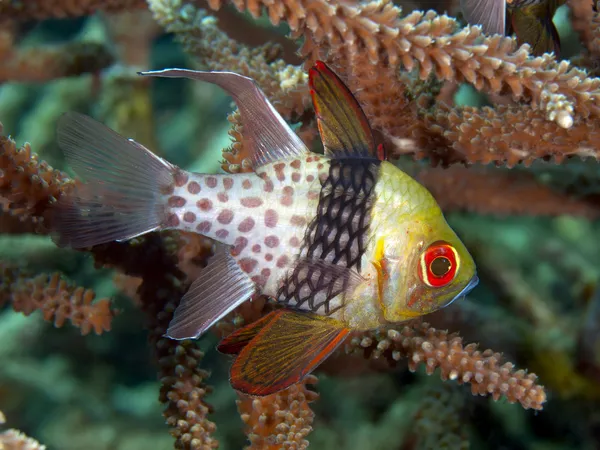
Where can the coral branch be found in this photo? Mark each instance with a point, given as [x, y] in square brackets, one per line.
[45, 9]
[58, 300]
[48, 62]
[28, 186]
[422, 344]
[435, 44]
[489, 190]
[15, 440]
[281, 420]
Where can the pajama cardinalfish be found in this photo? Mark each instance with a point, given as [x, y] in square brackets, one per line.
[343, 241]
[531, 20]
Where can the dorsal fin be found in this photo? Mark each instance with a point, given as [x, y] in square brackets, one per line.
[344, 128]
[266, 134]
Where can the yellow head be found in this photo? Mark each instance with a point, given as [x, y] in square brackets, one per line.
[421, 263]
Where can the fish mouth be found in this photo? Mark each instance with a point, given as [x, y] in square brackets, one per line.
[468, 288]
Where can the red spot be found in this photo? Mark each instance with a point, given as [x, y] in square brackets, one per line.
[279, 167]
[271, 218]
[298, 220]
[222, 233]
[268, 186]
[189, 217]
[172, 221]
[312, 195]
[256, 248]
[248, 264]
[239, 245]
[265, 272]
[176, 202]
[246, 225]
[294, 242]
[193, 188]
[204, 204]
[180, 178]
[288, 196]
[295, 164]
[296, 177]
[272, 241]
[211, 182]
[227, 183]
[223, 197]
[269, 257]
[320, 166]
[204, 227]
[225, 216]
[310, 178]
[247, 184]
[251, 202]
[259, 280]
[283, 261]
[309, 159]
[381, 153]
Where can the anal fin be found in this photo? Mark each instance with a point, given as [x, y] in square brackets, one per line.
[286, 349]
[219, 288]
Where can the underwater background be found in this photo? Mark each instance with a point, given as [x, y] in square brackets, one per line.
[506, 141]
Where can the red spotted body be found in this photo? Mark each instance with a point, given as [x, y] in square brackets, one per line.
[263, 216]
[342, 240]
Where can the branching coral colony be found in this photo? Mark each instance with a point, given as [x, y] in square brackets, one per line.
[404, 69]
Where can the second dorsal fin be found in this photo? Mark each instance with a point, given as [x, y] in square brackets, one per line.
[344, 128]
[267, 135]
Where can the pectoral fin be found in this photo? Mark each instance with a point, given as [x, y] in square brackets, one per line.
[236, 341]
[286, 349]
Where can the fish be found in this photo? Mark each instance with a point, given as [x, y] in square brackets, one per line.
[531, 20]
[343, 241]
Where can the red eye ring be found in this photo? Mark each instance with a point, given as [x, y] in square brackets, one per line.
[439, 264]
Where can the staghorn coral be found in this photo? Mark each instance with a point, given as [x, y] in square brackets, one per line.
[550, 110]
[44, 63]
[58, 300]
[422, 344]
[28, 186]
[15, 440]
[437, 423]
[281, 420]
[45, 9]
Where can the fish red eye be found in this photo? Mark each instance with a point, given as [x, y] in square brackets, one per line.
[439, 264]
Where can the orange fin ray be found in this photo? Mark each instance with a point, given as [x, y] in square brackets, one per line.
[234, 343]
[284, 351]
[343, 126]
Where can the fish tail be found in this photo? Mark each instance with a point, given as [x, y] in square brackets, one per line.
[123, 194]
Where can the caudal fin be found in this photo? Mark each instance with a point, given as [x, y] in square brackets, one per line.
[122, 194]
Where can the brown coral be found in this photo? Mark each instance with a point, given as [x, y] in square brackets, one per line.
[279, 421]
[28, 186]
[58, 300]
[422, 344]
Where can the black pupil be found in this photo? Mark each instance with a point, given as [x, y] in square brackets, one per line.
[440, 266]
